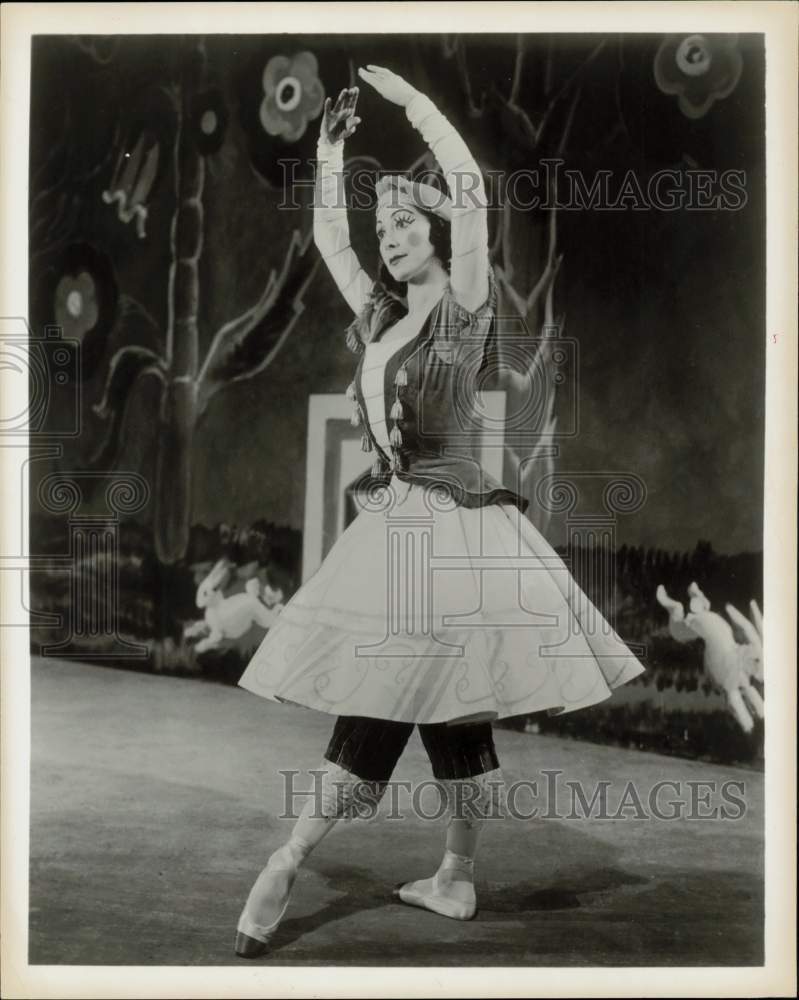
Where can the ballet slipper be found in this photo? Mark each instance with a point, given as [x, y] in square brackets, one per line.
[252, 938]
[451, 899]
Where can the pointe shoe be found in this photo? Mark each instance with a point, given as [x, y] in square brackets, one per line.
[252, 939]
[433, 899]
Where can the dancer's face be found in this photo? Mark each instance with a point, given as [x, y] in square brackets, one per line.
[403, 233]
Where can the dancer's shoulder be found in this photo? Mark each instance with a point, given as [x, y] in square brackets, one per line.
[466, 316]
[382, 309]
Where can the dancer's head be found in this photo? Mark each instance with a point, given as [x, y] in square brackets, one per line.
[412, 224]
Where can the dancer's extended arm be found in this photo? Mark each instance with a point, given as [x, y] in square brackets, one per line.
[330, 227]
[469, 271]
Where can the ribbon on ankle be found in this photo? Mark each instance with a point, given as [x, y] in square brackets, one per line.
[461, 862]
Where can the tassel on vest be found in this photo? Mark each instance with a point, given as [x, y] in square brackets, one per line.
[353, 340]
[351, 393]
[355, 418]
[366, 442]
[399, 462]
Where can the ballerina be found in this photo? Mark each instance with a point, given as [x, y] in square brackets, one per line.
[375, 637]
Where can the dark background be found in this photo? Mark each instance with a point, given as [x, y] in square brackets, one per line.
[667, 309]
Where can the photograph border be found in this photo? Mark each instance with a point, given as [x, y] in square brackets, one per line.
[778, 22]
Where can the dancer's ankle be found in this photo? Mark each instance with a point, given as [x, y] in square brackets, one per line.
[456, 868]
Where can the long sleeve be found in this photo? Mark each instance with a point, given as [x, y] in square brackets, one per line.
[469, 272]
[331, 229]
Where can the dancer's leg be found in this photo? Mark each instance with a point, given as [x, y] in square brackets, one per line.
[358, 763]
[337, 793]
[465, 762]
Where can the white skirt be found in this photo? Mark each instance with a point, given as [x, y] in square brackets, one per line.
[424, 611]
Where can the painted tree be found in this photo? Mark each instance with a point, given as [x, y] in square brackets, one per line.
[240, 349]
[534, 116]
[524, 249]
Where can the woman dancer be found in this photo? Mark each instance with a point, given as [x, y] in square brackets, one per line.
[375, 637]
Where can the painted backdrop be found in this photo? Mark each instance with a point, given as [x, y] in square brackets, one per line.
[170, 238]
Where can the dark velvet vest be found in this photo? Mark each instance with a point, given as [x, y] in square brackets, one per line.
[432, 382]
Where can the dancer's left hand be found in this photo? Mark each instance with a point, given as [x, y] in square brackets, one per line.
[388, 84]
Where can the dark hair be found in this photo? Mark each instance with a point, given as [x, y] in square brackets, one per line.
[441, 239]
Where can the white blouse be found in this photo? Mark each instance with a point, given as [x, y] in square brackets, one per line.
[469, 230]
[469, 236]
[375, 359]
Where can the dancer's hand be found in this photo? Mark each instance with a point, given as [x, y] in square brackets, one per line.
[388, 84]
[339, 121]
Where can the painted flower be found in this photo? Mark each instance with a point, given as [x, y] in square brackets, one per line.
[699, 69]
[209, 121]
[76, 306]
[84, 302]
[293, 95]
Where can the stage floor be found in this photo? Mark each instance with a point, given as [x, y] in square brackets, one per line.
[154, 804]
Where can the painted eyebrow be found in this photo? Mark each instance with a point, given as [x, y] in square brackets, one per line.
[402, 208]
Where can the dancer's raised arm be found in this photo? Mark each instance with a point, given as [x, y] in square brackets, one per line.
[469, 270]
[330, 227]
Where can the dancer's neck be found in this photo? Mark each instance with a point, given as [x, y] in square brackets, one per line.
[426, 288]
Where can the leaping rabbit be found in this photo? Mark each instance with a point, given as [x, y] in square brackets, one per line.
[231, 617]
[731, 666]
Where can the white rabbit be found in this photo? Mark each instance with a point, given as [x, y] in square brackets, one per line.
[730, 665]
[230, 617]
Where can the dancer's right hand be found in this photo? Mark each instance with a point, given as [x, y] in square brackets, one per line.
[339, 121]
